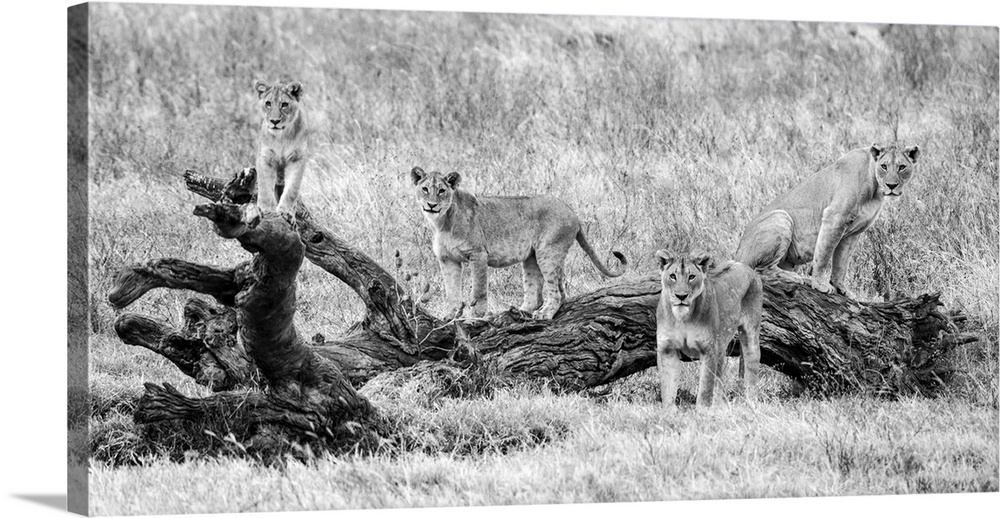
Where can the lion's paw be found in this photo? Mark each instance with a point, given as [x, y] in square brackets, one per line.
[287, 214]
[843, 291]
[822, 286]
[454, 311]
[546, 313]
[251, 215]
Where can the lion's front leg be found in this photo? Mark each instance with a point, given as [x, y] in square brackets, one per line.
[480, 283]
[451, 272]
[712, 365]
[841, 258]
[267, 179]
[830, 233]
[668, 363]
[294, 172]
[749, 334]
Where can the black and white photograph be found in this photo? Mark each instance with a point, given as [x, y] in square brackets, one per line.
[340, 258]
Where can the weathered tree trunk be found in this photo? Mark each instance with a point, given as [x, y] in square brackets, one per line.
[831, 343]
[305, 389]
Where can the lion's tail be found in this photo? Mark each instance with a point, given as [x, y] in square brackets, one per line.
[582, 239]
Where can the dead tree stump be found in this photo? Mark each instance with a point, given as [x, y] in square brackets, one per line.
[222, 348]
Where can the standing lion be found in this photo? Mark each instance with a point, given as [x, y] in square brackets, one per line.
[499, 231]
[282, 155]
[702, 306]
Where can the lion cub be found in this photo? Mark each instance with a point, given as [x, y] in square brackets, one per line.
[701, 307]
[497, 232]
[822, 218]
[282, 154]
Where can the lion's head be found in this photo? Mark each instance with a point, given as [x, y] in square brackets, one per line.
[279, 105]
[435, 191]
[682, 279]
[893, 167]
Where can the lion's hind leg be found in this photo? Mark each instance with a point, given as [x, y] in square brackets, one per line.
[767, 246]
[533, 279]
[550, 263]
[765, 242]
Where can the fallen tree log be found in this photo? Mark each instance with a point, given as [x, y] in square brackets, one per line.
[830, 343]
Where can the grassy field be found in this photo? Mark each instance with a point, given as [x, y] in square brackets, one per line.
[660, 133]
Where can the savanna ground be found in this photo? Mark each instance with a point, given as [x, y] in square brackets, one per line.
[660, 133]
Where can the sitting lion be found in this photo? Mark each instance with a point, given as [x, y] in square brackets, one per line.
[822, 218]
[701, 307]
[499, 231]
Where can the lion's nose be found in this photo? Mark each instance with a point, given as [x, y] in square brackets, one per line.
[681, 296]
[431, 205]
[891, 186]
[274, 122]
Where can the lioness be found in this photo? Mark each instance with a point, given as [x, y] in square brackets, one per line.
[498, 231]
[281, 157]
[822, 218]
[701, 307]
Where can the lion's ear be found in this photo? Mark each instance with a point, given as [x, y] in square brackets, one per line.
[664, 258]
[912, 152]
[294, 89]
[417, 174]
[703, 260]
[261, 88]
[876, 151]
[453, 179]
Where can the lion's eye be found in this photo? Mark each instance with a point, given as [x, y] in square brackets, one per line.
[885, 167]
[267, 104]
[440, 191]
[673, 277]
[284, 105]
[425, 190]
[690, 277]
[902, 166]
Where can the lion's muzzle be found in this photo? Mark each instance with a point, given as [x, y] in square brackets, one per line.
[892, 189]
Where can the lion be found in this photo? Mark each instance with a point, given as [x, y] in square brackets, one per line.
[822, 218]
[498, 231]
[282, 154]
[701, 308]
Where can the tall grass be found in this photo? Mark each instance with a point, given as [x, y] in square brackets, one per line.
[660, 133]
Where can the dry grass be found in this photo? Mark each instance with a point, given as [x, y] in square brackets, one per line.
[527, 446]
[660, 133]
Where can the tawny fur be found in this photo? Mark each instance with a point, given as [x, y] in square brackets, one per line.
[822, 218]
[701, 308]
[494, 231]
